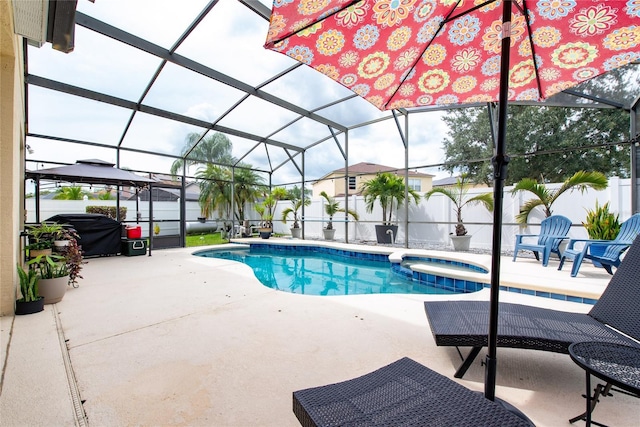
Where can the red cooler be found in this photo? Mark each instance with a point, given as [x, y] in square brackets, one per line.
[134, 232]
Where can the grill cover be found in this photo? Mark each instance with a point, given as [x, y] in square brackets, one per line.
[99, 234]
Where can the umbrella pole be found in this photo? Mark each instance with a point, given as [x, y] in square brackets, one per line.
[500, 161]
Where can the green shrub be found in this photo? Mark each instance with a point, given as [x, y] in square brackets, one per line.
[602, 224]
[109, 211]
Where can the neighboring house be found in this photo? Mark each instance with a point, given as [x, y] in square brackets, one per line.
[167, 189]
[334, 182]
[450, 181]
[166, 195]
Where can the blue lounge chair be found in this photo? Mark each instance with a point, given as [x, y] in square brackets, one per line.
[553, 230]
[605, 253]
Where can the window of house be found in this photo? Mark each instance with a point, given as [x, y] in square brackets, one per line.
[352, 183]
[415, 184]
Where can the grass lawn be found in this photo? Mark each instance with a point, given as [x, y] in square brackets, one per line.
[210, 239]
[205, 239]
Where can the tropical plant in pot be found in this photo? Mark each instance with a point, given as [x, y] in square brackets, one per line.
[389, 191]
[296, 205]
[53, 276]
[266, 226]
[332, 207]
[41, 238]
[56, 271]
[601, 224]
[267, 208]
[458, 194]
[31, 301]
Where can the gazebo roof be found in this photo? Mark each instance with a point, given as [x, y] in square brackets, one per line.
[91, 171]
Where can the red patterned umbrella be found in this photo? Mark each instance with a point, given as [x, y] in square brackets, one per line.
[408, 53]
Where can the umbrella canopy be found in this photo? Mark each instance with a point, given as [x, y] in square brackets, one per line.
[409, 53]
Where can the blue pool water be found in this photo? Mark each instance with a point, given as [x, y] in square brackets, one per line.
[308, 272]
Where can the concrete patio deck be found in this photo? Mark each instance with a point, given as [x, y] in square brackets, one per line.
[175, 339]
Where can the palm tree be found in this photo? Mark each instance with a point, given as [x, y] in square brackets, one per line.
[215, 148]
[106, 194]
[545, 197]
[458, 195]
[71, 193]
[246, 189]
[333, 207]
[389, 190]
[296, 205]
[215, 191]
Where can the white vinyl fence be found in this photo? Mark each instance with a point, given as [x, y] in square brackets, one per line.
[431, 221]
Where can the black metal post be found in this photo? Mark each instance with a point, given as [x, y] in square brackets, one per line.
[500, 161]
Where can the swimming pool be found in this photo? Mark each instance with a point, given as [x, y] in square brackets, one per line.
[315, 270]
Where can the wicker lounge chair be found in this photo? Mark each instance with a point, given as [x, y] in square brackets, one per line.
[604, 253]
[553, 230]
[465, 323]
[404, 393]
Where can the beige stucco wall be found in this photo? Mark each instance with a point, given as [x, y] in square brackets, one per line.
[325, 185]
[11, 163]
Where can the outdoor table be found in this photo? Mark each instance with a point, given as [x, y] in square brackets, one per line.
[617, 364]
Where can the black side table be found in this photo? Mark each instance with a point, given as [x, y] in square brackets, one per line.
[616, 364]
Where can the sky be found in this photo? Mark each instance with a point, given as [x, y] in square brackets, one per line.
[228, 40]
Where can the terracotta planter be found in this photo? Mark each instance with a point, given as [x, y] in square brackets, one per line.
[29, 307]
[53, 290]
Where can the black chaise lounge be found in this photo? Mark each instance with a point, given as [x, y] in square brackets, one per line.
[404, 393]
[465, 323]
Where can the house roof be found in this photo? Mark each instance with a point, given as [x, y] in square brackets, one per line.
[450, 180]
[366, 168]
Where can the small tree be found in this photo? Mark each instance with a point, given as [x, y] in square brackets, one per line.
[458, 195]
[545, 197]
[389, 190]
[332, 207]
[296, 205]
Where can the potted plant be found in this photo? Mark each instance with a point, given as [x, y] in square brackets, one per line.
[56, 271]
[71, 251]
[30, 302]
[331, 208]
[263, 209]
[41, 238]
[458, 195]
[296, 205]
[601, 224]
[53, 276]
[389, 190]
[266, 210]
[74, 260]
